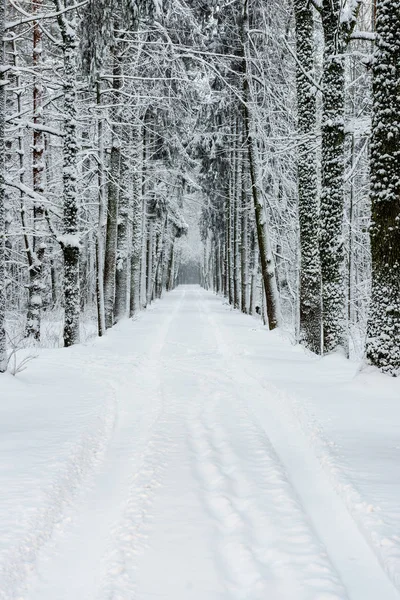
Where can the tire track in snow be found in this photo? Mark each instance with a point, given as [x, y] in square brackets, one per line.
[129, 536]
[265, 545]
[357, 565]
[85, 510]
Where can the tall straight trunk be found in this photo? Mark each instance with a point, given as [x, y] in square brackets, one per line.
[21, 160]
[36, 272]
[145, 219]
[236, 218]
[137, 219]
[70, 241]
[230, 210]
[170, 268]
[160, 269]
[244, 250]
[3, 347]
[124, 242]
[332, 179]
[310, 268]
[264, 243]
[110, 258]
[254, 275]
[158, 254]
[143, 257]
[350, 237]
[216, 269]
[101, 323]
[150, 256]
[226, 251]
[383, 332]
[221, 264]
[205, 275]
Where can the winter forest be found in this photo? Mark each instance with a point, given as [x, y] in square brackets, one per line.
[252, 147]
[200, 300]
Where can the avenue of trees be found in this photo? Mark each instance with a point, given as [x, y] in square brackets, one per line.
[277, 123]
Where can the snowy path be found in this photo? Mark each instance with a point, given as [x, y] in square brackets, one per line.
[208, 487]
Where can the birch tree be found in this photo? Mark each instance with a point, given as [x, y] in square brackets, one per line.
[70, 239]
[36, 250]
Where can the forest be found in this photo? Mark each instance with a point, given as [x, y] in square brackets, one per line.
[249, 146]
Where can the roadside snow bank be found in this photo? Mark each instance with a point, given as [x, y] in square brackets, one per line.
[55, 420]
[357, 439]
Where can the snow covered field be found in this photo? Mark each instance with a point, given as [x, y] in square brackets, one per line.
[190, 454]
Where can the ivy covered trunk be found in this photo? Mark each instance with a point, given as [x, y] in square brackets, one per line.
[332, 193]
[70, 241]
[383, 334]
[310, 269]
[3, 349]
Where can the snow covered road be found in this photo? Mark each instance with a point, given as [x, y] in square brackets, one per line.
[196, 477]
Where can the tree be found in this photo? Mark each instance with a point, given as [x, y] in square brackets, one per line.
[3, 349]
[338, 22]
[307, 180]
[70, 239]
[263, 234]
[36, 249]
[383, 333]
[110, 257]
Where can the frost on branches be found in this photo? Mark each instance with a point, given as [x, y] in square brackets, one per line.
[383, 334]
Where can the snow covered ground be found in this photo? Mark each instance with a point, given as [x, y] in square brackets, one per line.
[190, 454]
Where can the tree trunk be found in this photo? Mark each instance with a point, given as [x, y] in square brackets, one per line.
[254, 274]
[237, 194]
[230, 210]
[71, 238]
[158, 254]
[124, 242]
[150, 256]
[36, 280]
[383, 333]
[110, 259]
[332, 179]
[310, 268]
[244, 251]
[101, 323]
[145, 218]
[264, 243]
[137, 219]
[170, 268]
[3, 348]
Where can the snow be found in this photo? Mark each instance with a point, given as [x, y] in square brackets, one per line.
[192, 454]
[70, 240]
